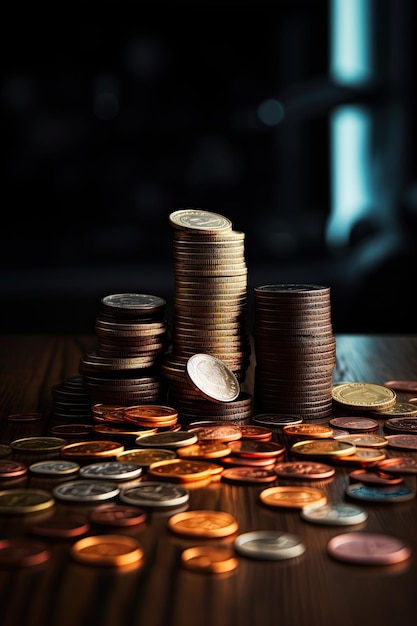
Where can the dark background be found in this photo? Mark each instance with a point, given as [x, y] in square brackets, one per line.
[117, 114]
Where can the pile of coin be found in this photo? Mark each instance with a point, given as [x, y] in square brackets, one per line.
[295, 350]
[209, 308]
[132, 335]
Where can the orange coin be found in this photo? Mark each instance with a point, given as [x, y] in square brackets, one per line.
[202, 450]
[116, 550]
[209, 559]
[292, 497]
[203, 523]
[180, 469]
[91, 449]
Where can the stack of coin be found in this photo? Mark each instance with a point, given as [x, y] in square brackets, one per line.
[295, 350]
[132, 335]
[209, 312]
[70, 401]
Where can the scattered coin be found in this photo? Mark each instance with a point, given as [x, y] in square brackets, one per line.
[29, 416]
[12, 469]
[107, 550]
[400, 409]
[25, 501]
[323, 447]
[54, 468]
[276, 419]
[145, 457]
[398, 465]
[209, 559]
[22, 552]
[117, 515]
[374, 477]
[66, 527]
[304, 469]
[402, 441]
[249, 475]
[372, 493]
[111, 470]
[269, 544]
[363, 396]
[181, 469]
[168, 439]
[402, 385]
[334, 514]
[368, 548]
[38, 444]
[86, 491]
[91, 449]
[155, 494]
[296, 497]
[203, 523]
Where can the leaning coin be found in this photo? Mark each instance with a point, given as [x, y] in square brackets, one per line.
[25, 501]
[334, 514]
[107, 550]
[85, 491]
[203, 523]
[372, 493]
[292, 497]
[269, 544]
[212, 378]
[22, 552]
[209, 559]
[368, 548]
[111, 470]
[155, 494]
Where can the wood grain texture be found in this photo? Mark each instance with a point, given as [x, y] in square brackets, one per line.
[310, 590]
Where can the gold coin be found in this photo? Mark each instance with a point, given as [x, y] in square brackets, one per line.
[307, 430]
[327, 447]
[199, 220]
[92, 449]
[209, 450]
[203, 523]
[25, 500]
[209, 559]
[292, 497]
[146, 456]
[38, 444]
[116, 550]
[365, 396]
[362, 456]
[180, 469]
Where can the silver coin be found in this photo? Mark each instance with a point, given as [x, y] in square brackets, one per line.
[54, 468]
[155, 494]
[334, 514]
[212, 378]
[269, 544]
[86, 491]
[111, 470]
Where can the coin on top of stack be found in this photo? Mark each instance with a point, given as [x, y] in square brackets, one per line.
[132, 337]
[295, 349]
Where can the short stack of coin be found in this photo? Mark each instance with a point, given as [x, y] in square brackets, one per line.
[132, 335]
[295, 350]
[70, 401]
[209, 314]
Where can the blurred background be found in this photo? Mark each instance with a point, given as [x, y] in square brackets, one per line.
[296, 119]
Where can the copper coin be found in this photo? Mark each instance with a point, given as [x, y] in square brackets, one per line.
[249, 475]
[61, 527]
[402, 385]
[29, 416]
[255, 448]
[180, 469]
[117, 515]
[308, 431]
[401, 425]
[402, 441]
[292, 497]
[365, 440]
[91, 449]
[12, 469]
[277, 420]
[362, 456]
[398, 465]
[304, 469]
[22, 552]
[354, 423]
[368, 548]
[204, 450]
[169, 439]
[107, 550]
[209, 559]
[203, 523]
[374, 477]
[256, 432]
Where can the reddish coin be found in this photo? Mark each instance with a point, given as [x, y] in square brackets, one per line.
[398, 465]
[304, 469]
[21, 552]
[404, 442]
[354, 423]
[248, 475]
[12, 469]
[254, 448]
[61, 527]
[402, 385]
[117, 515]
[256, 432]
[368, 548]
[71, 430]
[29, 416]
[374, 477]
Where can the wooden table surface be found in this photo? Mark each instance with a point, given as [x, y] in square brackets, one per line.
[310, 590]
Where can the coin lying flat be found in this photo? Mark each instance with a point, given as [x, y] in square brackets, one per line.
[22, 552]
[105, 550]
[12, 469]
[292, 497]
[180, 469]
[334, 514]
[117, 515]
[66, 527]
[364, 396]
[209, 559]
[38, 444]
[304, 469]
[111, 470]
[155, 494]
[54, 468]
[368, 548]
[84, 490]
[203, 523]
[269, 544]
[372, 493]
[170, 440]
[199, 220]
[25, 500]
[402, 385]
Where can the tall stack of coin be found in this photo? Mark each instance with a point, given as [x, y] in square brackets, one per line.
[295, 350]
[209, 309]
[132, 335]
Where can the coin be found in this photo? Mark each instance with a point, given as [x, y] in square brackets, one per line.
[66, 527]
[304, 469]
[117, 515]
[180, 469]
[400, 409]
[155, 494]
[111, 470]
[12, 469]
[212, 377]
[203, 523]
[54, 468]
[372, 493]
[199, 220]
[38, 444]
[398, 465]
[292, 497]
[269, 544]
[277, 419]
[402, 385]
[404, 442]
[107, 550]
[25, 501]
[248, 475]
[29, 416]
[366, 396]
[22, 552]
[374, 476]
[368, 548]
[334, 514]
[169, 440]
[86, 491]
[310, 431]
[323, 447]
[354, 423]
[146, 456]
[91, 449]
[132, 303]
[204, 450]
[209, 559]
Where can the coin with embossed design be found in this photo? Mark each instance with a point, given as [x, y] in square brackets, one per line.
[212, 378]
[304, 469]
[363, 396]
[334, 514]
[296, 497]
[156, 494]
[203, 523]
[199, 220]
[269, 544]
[25, 500]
